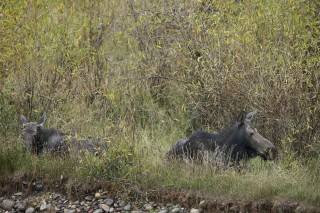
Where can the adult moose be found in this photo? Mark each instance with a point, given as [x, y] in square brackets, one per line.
[238, 142]
[49, 140]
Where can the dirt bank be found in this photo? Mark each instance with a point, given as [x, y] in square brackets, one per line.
[136, 193]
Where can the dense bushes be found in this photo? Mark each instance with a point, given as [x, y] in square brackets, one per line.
[125, 65]
[144, 73]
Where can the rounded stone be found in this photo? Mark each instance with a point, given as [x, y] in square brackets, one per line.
[97, 195]
[105, 207]
[109, 201]
[38, 187]
[22, 207]
[7, 204]
[98, 211]
[30, 210]
[122, 204]
[88, 198]
[127, 207]
[147, 207]
[43, 205]
[18, 194]
[175, 210]
[194, 211]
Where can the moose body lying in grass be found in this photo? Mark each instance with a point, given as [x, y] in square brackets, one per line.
[39, 140]
[237, 143]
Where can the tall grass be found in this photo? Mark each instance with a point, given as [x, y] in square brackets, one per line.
[274, 180]
[148, 166]
[144, 73]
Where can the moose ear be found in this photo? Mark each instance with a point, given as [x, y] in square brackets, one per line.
[42, 119]
[241, 116]
[23, 119]
[250, 116]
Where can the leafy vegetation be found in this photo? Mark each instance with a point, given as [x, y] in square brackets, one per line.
[145, 73]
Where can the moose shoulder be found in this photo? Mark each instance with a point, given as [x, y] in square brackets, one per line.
[238, 142]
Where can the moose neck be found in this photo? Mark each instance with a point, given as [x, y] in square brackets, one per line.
[234, 142]
[228, 135]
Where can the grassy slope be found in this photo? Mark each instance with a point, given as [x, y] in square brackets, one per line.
[153, 73]
[271, 180]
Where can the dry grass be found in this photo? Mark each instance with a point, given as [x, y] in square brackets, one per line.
[144, 74]
[272, 180]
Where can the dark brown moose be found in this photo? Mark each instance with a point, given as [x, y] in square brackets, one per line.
[237, 143]
[39, 140]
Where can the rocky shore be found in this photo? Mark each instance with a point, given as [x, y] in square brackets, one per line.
[97, 203]
[121, 198]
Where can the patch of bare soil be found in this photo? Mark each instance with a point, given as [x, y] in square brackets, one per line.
[136, 193]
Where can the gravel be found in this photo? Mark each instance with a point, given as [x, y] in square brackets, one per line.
[100, 202]
[95, 203]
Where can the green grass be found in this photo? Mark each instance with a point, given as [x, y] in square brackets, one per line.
[148, 166]
[157, 71]
[261, 179]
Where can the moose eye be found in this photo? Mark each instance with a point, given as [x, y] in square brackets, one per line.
[251, 131]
